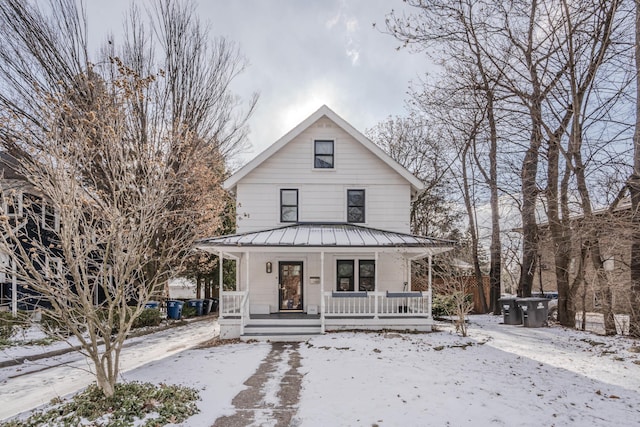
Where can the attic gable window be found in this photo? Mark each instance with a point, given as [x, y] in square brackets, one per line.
[323, 154]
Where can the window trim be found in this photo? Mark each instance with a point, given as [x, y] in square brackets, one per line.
[5, 204]
[352, 281]
[43, 218]
[364, 205]
[57, 270]
[356, 281]
[297, 205]
[333, 155]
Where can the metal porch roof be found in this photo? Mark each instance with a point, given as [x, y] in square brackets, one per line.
[324, 235]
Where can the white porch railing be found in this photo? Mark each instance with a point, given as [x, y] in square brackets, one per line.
[236, 304]
[377, 304]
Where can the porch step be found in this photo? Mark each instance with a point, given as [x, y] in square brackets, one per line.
[279, 332]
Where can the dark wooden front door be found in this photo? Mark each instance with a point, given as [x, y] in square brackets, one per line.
[290, 275]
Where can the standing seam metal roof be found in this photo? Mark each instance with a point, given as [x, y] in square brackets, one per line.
[321, 235]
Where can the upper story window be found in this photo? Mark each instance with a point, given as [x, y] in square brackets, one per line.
[355, 206]
[12, 204]
[289, 205]
[50, 218]
[323, 154]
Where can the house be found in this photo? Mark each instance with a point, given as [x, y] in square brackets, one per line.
[613, 228]
[31, 216]
[322, 238]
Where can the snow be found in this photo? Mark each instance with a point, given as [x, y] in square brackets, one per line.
[500, 375]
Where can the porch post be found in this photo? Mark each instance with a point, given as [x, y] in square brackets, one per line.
[375, 278]
[322, 292]
[14, 289]
[246, 269]
[429, 282]
[221, 289]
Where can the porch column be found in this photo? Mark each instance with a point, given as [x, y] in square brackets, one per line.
[246, 270]
[221, 288]
[322, 292]
[409, 274]
[14, 289]
[429, 282]
[375, 284]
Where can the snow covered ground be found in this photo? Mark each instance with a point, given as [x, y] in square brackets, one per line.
[499, 375]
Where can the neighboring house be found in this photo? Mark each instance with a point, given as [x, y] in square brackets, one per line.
[30, 213]
[322, 238]
[613, 227]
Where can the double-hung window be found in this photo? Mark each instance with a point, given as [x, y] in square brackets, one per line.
[348, 275]
[289, 205]
[50, 218]
[355, 206]
[323, 154]
[12, 203]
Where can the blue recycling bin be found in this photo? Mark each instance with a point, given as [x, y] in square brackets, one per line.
[197, 304]
[174, 309]
[152, 304]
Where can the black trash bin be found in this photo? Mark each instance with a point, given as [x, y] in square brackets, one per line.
[214, 306]
[510, 311]
[206, 307]
[534, 311]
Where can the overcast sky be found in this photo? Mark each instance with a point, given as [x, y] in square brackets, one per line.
[302, 54]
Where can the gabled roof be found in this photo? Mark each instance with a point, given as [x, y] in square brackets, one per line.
[323, 111]
[336, 235]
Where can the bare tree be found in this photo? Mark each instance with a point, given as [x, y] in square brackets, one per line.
[128, 152]
[634, 187]
[414, 143]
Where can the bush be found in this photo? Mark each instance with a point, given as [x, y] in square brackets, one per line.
[188, 311]
[51, 325]
[148, 317]
[442, 305]
[134, 403]
[9, 324]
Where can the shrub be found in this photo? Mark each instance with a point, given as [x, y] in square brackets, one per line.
[9, 324]
[188, 311]
[132, 404]
[148, 317]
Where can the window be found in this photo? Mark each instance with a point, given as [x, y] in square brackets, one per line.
[355, 205]
[323, 154]
[288, 205]
[53, 267]
[50, 218]
[367, 275]
[346, 277]
[12, 204]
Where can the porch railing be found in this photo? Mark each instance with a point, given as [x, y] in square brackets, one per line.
[377, 304]
[235, 304]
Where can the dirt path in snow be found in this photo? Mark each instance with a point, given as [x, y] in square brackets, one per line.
[273, 392]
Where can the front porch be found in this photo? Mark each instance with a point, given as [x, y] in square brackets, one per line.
[305, 279]
[338, 311]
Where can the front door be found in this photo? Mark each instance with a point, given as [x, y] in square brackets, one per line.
[290, 273]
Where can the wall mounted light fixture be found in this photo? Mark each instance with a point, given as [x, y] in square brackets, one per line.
[269, 267]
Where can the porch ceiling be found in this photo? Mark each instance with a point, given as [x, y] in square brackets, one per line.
[318, 237]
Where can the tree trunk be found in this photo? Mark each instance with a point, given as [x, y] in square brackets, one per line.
[472, 228]
[634, 189]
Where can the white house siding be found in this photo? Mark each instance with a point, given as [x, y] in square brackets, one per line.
[263, 286]
[322, 192]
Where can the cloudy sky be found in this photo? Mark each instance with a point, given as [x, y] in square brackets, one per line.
[303, 54]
